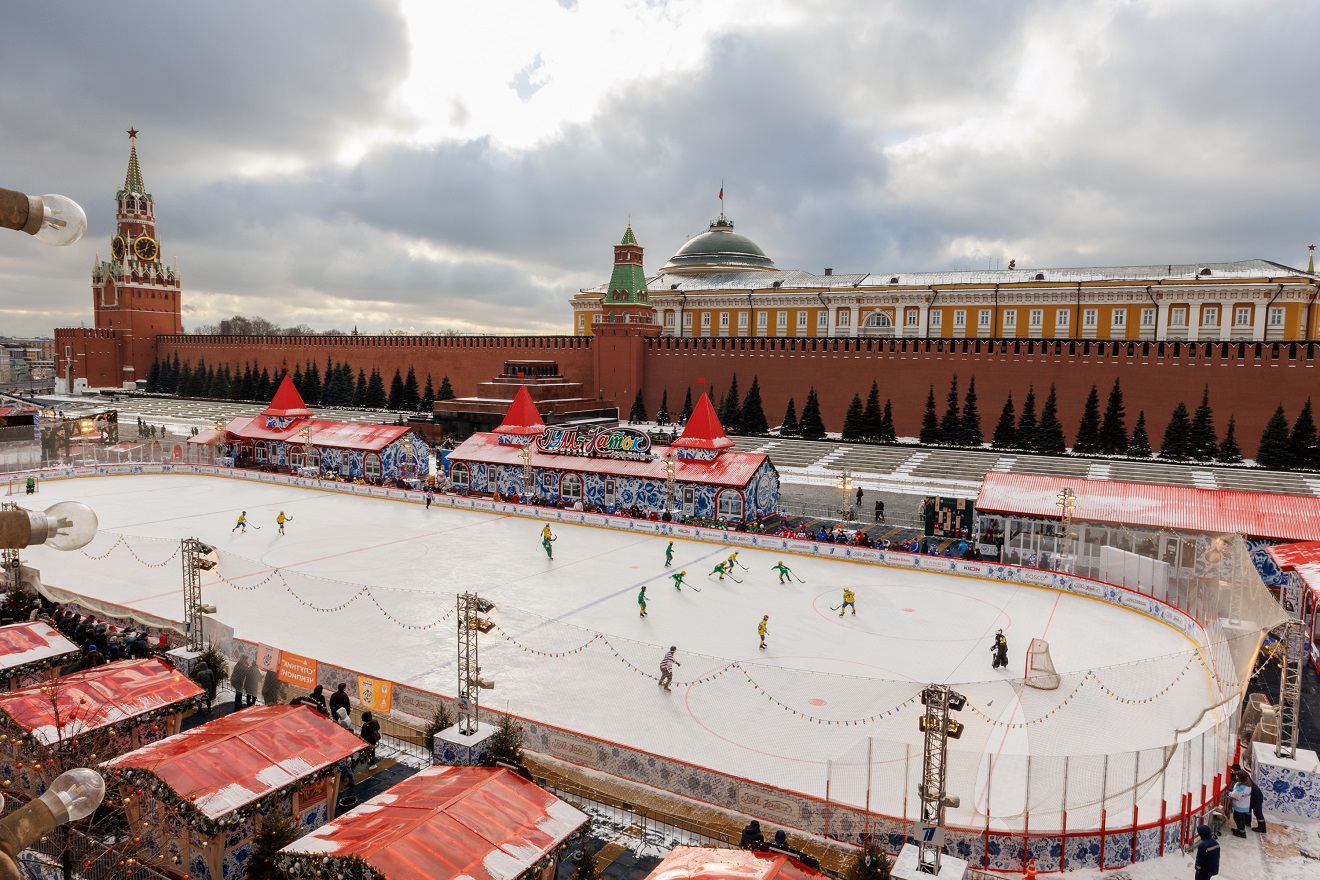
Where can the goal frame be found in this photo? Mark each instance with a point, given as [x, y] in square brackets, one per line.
[1039, 671]
[18, 485]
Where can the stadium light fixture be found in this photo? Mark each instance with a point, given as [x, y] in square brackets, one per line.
[51, 219]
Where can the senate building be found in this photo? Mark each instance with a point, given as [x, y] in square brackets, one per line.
[721, 284]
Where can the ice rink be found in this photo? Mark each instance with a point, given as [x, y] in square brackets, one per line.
[369, 584]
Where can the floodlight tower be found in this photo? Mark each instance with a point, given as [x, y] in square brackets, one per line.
[939, 727]
[845, 486]
[196, 559]
[1292, 639]
[469, 701]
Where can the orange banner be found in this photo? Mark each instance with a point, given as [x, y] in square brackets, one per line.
[374, 694]
[297, 670]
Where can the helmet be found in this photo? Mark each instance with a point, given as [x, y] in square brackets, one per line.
[999, 632]
[684, 571]
[767, 617]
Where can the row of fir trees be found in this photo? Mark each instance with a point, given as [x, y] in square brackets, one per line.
[336, 385]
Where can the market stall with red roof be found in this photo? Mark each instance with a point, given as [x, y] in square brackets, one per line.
[107, 710]
[1300, 596]
[31, 653]
[203, 791]
[286, 436]
[701, 863]
[445, 823]
[699, 475]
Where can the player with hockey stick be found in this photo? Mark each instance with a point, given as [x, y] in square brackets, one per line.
[849, 599]
[641, 603]
[1000, 650]
[762, 628]
[546, 540]
[242, 523]
[784, 571]
[679, 582]
[733, 560]
[720, 569]
[281, 520]
[669, 554]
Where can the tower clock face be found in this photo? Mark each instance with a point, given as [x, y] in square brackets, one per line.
[145, 248]
[117, 247]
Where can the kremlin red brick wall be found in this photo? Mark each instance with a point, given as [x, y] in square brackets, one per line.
[1246, 380]
[466, 360]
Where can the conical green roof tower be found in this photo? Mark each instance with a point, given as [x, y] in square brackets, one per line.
[628, 280]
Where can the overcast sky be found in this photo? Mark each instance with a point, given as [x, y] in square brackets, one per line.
[433, 165]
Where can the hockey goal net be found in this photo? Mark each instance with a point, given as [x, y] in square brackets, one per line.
[1040, 666]
[19, 486]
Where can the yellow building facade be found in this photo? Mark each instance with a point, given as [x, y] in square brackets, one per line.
[720, 283]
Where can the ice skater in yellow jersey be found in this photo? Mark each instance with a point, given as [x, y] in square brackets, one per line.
[545, 533]
[281, 520]
[762, 628]
[242, 523]
[849, 600]
[733, 560]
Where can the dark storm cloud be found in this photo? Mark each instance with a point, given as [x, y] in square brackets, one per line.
[866, 137]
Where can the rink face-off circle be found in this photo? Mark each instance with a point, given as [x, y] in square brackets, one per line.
[369, 584]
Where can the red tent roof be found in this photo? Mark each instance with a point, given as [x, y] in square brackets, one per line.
[96, 698]
[240, 758]
[477, 823]
[326, 434]
[703, 429]
[522, 417]
[1303, 558]
[1275, 516]
[24, 643]
[287, 401]
[699, 863]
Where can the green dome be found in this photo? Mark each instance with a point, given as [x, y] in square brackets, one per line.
[718, 249]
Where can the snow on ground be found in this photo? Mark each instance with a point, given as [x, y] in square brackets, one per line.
[369, 584]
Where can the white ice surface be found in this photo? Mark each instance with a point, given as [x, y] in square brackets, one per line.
[390, 570]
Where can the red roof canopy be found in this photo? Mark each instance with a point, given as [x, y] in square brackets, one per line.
[335, 435]
[703, 429]
[98, 698]
[287, 401]
[1181, 508]
[240, 758]
[522, 417]
[733, 469]
[479, 823]
[699, 863]
[1303, 558]
[23, 643]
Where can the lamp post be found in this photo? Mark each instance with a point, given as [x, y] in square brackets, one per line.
[669, 467]
[845, 487]
[306, 435]
[219, 440]
[526, 455]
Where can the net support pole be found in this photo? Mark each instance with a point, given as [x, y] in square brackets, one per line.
[1293, 641]
[468, 668]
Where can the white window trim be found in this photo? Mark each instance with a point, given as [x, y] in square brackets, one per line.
[1178, 316]
[762, 319]
[568, 482]
[1148, 317]
[822, 319]
[1118, 318]
[1090, 317]
[802, 319]
[844, 318]
[1062, 317]
[781, 319]
[1036, 318]
[936, 318]
[1242, 316]
[913, 318]
[983, 318]
[1277, 316]
[459, 474]
[960, 317]
[1010, 318]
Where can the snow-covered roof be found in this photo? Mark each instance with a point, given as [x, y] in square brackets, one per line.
[1276, 516]
[731, 468]
[1302, 558]
[97, 698]
[24, 643]
[446, 823]
[240, 758]
[336, 435]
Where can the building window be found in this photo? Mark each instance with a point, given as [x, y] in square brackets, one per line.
[802, 320]
[582, 322]
[730, 505]
[570, 487]
[781, 320]
[1242, 316]
[261, 451]
[1276, 316]
[823, 319]
[960, 317]
[705, 320]
[1062, 317]
[761, 319]
[1089, 317]
[687, 320]
[1118, 318]
[724, 320]
[669, 319]
[936, 316]
[845, 317]
[1010, 318]
[313, 458]
[983, 318]
[913, 315]
[1148, 317]
[1210, 316]
[878, 319]
[371, 466]
[458, 475]
[595, 319]
[1036, 317]
[1178, 316]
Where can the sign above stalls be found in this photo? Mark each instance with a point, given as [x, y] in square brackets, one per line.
[622, 443]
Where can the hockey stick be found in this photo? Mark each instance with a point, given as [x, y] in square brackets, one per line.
[692, 586]
[836, 607]
[255, 526]
[734, 579]
[798, 579]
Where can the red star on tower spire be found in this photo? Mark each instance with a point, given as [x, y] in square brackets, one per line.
[133, 133]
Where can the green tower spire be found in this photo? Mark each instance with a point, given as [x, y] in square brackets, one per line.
[133, 179]
[628, 280]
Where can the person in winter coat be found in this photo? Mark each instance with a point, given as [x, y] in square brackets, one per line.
[1207, 854]
[252, 683]
[371, 734]
[205, 679]
[1240, 796]
[781, 839]
[237, 679]
[1257, 799]
[93, 658]
[339, 700]
[140, 649]
[751, 836]
[318, 696]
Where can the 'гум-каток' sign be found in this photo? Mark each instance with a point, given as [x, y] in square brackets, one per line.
[623, 443]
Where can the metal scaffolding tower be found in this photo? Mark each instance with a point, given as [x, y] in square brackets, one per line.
[1292, 639]
[195, 561]
[469, 702]
[939, 727]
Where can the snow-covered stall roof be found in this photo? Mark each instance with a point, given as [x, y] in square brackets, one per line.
[444, 823]
[1275, 516]
[729, 469]
[700, 863]
[337, 435]
[1303, 558]
[23, 644]
[240, 758]
[95, 698]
